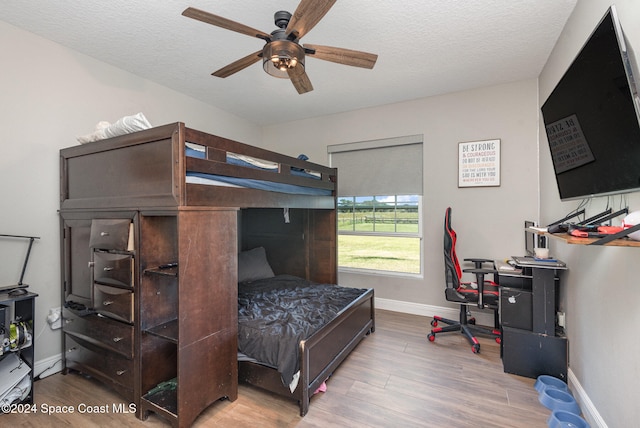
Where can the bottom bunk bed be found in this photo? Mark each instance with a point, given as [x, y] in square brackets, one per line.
[294, 333]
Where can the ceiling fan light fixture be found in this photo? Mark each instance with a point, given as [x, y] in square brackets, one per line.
[281, 56]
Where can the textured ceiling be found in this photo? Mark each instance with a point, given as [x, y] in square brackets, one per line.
[424, 47]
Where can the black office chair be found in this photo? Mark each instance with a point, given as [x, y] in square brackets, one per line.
[483, 293]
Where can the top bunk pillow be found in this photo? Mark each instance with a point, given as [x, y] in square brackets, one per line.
[253, 265]
[124, 125]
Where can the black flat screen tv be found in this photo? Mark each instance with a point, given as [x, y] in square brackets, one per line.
[592, 118]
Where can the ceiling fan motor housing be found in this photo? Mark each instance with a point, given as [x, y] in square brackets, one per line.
[281, 18]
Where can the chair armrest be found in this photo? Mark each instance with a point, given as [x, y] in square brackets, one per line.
[478, 262]
[482, 271]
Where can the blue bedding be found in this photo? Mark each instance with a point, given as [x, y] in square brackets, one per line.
[258, 184]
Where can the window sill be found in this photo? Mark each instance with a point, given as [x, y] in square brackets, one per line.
[373, 272]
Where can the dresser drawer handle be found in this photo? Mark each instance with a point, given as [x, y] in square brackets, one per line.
[68, 320]
[117, 339]
[107, 268]
[120, 372]
[104, 233]
[71, 349]
[107, 303]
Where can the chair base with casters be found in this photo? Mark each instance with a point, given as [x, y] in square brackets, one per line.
[483, 294]
[467, 326]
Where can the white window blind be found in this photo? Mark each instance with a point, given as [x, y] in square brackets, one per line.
[391, 166]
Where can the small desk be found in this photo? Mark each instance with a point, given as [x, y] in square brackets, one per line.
[540, 350]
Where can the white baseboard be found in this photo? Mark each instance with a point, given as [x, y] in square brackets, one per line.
[48, 366]
[589, 411]
[482, 318]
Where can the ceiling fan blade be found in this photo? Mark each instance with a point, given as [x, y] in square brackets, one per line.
[238, 65]
[307, 15]
[218, 21]
[343, 56]
[300, 81]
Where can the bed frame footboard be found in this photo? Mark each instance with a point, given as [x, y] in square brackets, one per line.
[320, 354]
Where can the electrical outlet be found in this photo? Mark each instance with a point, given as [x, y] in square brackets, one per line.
[561, 319]
[55, 318]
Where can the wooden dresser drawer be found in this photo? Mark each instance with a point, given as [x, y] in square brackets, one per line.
[113, 302]
[113, 269]
[110, 234]
[103, 332]
[96, 362]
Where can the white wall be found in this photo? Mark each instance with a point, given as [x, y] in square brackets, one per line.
[488, 220]
[600, 292]
[49, 96]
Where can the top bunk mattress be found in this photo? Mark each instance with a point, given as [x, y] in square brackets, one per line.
[195, 177]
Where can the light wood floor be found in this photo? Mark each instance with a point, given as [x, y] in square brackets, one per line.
[394, 378]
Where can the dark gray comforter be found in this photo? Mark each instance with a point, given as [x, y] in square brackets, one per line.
[275, 314]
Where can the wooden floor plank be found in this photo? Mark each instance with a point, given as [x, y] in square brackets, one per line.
[395, 377]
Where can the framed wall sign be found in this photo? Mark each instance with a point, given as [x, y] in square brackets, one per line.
[479, 163]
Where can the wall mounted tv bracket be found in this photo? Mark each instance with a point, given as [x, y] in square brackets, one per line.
[7, 288]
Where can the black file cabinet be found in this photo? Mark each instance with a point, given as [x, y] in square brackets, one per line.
[532, 345]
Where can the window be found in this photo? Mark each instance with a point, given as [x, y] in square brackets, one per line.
[380, 204]
[380, 233]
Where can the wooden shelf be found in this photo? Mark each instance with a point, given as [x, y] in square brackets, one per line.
[165, 399]
[172, 271]
[164, 403]
[168, 330]
[570, 239]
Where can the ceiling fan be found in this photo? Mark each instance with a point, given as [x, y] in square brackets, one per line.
[282, 55]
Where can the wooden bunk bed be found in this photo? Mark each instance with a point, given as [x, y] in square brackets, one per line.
[153, 180]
